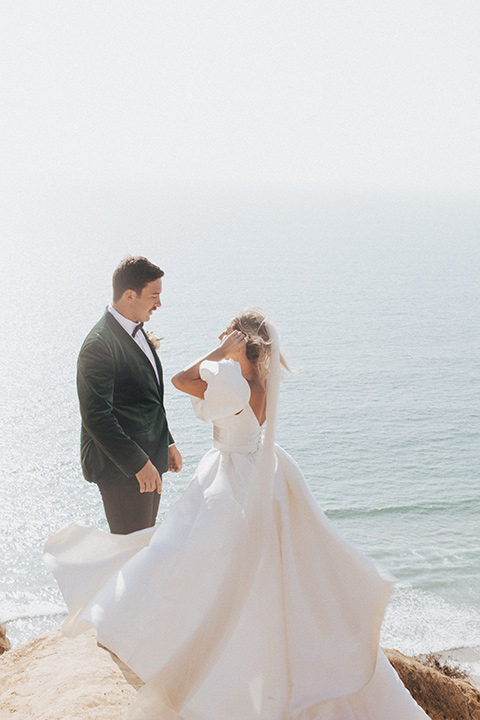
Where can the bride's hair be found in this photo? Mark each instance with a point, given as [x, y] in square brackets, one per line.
[253, 323]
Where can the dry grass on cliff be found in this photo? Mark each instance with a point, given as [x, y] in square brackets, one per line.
[437, 688]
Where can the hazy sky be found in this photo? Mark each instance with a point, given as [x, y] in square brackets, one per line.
[368, 93]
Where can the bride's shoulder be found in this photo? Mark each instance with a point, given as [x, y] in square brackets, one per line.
[223, 368]
[227, 390]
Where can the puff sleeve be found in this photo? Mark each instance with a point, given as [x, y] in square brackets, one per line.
[227, 390]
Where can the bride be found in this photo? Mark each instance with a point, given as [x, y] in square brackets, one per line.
[245, 604]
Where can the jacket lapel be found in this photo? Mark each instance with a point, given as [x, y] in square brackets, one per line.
[155, 356]
[128, 342]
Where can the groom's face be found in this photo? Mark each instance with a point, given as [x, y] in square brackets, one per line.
[144, 304]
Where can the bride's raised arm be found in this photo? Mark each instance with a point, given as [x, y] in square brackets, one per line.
[189, 380]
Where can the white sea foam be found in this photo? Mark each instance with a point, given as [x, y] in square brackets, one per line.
[12, 612]
[419, 622]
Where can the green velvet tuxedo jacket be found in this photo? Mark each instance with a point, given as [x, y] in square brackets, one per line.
[121, 404]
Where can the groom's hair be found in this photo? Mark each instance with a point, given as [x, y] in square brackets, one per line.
[134, 273]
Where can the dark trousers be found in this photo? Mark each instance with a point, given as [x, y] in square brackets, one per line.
[127, 509]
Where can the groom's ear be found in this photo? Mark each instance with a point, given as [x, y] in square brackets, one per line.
[129, 295]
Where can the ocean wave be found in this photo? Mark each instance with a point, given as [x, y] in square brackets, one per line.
[11, 613]
[418, 622]
[470, 504]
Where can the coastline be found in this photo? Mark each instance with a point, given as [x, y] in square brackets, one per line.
[467, 659]
[65, 679]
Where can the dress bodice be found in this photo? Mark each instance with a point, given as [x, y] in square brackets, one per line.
[238, 433]
[226, 405]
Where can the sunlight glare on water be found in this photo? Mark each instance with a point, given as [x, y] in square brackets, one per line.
[377, 304]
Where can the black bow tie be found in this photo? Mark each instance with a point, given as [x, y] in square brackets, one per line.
[137, 328]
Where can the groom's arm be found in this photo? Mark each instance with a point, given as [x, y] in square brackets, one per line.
[95, 386]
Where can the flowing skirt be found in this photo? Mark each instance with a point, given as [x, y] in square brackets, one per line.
[228, 618]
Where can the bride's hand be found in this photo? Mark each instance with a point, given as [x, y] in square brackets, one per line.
[232, 343]
[189, 380]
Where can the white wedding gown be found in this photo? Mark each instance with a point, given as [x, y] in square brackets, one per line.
[244, 604]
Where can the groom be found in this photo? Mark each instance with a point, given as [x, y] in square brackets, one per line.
[125, 441]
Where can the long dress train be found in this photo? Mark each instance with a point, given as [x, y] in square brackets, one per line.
[245, 603]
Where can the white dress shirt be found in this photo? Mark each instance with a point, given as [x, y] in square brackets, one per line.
[129, 326]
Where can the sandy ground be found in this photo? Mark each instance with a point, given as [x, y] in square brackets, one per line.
[54, 678]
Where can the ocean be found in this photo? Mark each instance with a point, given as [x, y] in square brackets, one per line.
[377, 301]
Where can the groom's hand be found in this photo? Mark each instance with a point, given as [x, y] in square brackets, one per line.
[175, 461]
[149, 478]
